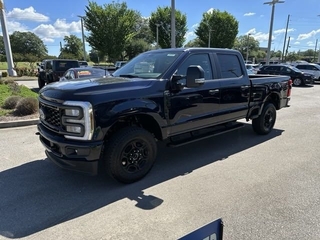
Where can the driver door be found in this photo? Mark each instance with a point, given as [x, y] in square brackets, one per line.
[194, 108]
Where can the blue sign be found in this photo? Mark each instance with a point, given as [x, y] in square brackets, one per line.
[211, 231]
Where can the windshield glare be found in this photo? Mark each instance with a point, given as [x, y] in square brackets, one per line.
[148, 65]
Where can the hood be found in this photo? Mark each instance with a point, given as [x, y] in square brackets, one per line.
[90, 89]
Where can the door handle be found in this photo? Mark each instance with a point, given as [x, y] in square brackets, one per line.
[213, 91]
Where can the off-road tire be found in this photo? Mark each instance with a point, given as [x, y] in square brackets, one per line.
[41, 82]
[129, 154]
[265, 122]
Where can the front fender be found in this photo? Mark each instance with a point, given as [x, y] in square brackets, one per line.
[106, 115]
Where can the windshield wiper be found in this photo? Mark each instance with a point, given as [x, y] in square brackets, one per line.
[128, 75]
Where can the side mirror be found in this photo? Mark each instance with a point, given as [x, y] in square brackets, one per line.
[195, 76]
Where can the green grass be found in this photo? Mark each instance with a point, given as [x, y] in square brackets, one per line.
[7, 90]
[4, 65]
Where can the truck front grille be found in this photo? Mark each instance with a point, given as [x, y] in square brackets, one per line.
[51, 115]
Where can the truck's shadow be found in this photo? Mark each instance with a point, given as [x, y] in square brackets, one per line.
[38, 195]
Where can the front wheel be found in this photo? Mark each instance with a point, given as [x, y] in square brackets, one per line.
[297, 82]
[265, 122]
[130, 154]
[41, 83]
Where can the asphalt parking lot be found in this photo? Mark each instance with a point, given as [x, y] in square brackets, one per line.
[263, 187]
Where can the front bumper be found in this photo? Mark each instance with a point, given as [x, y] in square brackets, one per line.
[308, 81]
[80, 156]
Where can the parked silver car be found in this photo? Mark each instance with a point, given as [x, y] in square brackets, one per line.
[311, 68]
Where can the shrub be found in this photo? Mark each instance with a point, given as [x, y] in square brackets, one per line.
[11, 102]
[27, 106]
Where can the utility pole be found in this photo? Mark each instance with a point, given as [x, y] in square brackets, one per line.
[285, 39]
[315, 51]
[173, 24]
[272, 3]
[6, 40]
[83, 41]
[288, 45]
[157, 36]
[248, 47]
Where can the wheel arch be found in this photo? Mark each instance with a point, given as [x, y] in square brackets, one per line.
[142, 120]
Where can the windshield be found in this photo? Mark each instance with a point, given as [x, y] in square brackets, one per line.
[148, 65]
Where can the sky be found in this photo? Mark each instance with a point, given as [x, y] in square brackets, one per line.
[52, 20]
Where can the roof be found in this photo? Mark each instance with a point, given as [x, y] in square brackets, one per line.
[193, 49]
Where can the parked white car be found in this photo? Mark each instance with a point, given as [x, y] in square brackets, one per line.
[311, 68]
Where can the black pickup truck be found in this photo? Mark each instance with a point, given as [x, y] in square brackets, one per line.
[174, 95]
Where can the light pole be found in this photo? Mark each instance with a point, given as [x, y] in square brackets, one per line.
[6, 40]
[272, 3]
[248, 47]
[83, 42]
[157, 35]
[173, 24]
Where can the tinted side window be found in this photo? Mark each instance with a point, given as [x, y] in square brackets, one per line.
[48, 65]
[202, 60]
[230, 66]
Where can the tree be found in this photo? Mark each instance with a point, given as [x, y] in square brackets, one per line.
[135, 47]
[222, 27]
[193, 43]
[141, 41]
[244, 42]
[27, 43]
[162, 18]
[143, 30]
[73, 48]
[110, 27]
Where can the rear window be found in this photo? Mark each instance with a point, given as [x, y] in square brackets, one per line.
[65, 65]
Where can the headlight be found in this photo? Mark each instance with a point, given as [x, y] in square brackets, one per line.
[72, 112]
[78, 120]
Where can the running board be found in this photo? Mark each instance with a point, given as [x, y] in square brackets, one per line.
[194, 136]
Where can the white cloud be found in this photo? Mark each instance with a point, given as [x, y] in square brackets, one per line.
[311, 43]
[249, 14]
[27, 14]
[48, 40]
[189, 36]
[195, 25]
[308, 35]
[58, 30]
[16, 26]
[283, 30]
[259, 36]
[296, 43]
[210, 10]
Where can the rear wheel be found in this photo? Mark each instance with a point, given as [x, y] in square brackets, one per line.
[130, 154]
[265, 122]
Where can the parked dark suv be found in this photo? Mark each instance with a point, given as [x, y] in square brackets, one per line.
[53, 69]
[298, 77]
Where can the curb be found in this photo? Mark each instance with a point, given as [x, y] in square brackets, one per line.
[19, 123]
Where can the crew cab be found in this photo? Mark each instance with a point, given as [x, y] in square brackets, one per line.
[112, 125]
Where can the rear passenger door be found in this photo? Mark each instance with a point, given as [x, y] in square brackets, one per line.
[234, 87]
